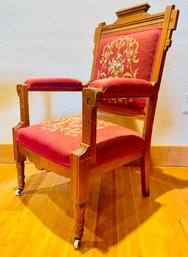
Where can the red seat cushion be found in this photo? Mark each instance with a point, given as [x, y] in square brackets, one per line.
[48, 84]
[56, 139]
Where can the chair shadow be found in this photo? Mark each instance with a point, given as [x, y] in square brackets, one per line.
[115, 207]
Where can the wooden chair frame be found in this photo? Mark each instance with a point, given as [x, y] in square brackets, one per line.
[129, 19]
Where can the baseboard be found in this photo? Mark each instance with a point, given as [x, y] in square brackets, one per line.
[160, 155]
[6, 153]
[171, 155]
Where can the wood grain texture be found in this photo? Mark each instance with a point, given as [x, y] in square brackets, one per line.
[119, 222]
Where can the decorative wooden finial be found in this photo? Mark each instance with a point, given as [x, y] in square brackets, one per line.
[137, 9]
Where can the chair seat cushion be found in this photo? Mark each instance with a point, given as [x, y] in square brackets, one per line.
[49, 84]
[56, 139]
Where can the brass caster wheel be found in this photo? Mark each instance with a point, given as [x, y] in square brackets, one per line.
[77, 243]
[18, 191]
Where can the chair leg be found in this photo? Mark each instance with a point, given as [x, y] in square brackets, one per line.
[79, 211]
[80, 198]
[79, 192]
[145, 175]
[21, 177]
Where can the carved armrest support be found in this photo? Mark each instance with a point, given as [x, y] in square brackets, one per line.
[90, 98]
[22, 92]
[87, 149]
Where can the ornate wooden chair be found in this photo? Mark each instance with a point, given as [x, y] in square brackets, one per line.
[129, 58]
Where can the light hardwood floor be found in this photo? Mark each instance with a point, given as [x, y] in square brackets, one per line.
[119, 222]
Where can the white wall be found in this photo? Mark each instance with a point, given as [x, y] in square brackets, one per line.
[47, 38]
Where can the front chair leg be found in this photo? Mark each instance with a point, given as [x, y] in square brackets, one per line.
[145, 175]
[21, 177]
[79, 211]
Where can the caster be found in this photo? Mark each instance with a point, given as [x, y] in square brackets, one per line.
[18, 191]
[77, 243]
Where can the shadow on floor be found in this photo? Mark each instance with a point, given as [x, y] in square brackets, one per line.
[114, 210]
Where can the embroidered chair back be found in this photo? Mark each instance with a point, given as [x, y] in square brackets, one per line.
[128, 54]
[134, 46]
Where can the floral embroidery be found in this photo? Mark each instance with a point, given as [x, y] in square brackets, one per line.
[71, 126]
[118, 57]
[121, 100]
[64, 125]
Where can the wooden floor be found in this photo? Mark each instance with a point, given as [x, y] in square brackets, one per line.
[119, 222]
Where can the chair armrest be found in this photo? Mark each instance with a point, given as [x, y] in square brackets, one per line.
[53, 84]
[43, 84]
[123, 87]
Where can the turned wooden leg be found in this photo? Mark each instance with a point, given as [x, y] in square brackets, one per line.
[145, 175]
[79, 190]
[79, 211]
[20, 175]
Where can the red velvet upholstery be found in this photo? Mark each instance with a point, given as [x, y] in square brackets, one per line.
[56, 139]
[119, 87]
[116, 92]
[129, 55]
[55, 84]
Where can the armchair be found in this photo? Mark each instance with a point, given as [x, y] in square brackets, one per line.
[129, 57]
